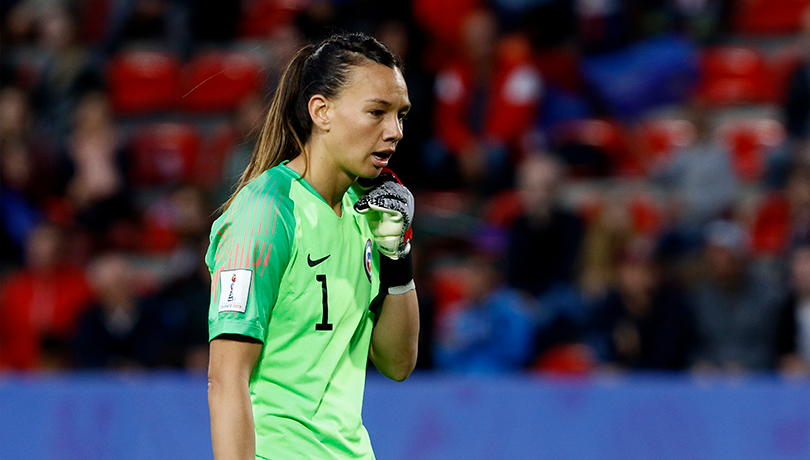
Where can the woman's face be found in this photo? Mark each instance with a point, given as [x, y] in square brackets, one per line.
[365, 120]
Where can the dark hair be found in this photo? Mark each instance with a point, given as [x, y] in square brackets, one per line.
[316, 69]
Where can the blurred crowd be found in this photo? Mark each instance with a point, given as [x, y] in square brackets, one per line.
[601, 185]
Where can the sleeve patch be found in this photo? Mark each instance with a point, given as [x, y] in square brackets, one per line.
[234, 286]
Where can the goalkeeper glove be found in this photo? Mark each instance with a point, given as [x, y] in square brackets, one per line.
[388, 206]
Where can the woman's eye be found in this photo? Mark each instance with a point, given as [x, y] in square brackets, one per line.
[377, 113]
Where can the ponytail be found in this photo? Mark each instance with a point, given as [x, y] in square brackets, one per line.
[321, 69]
[280, 139]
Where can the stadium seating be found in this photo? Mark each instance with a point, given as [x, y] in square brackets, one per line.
[770, 226]
[260, 18]
[594, 146]
[163, 153]
[216, 81]
[750, 141]
[731, 75]
[143, 82]
[653, 73]
[658, 139]
[768, 17]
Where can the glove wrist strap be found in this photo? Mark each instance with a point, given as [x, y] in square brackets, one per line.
[396, 276]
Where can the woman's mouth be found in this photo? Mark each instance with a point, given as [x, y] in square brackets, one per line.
[380, 159]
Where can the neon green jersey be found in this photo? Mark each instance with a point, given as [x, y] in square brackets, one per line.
[289, 272]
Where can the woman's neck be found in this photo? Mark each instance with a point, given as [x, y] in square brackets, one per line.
[324, 176]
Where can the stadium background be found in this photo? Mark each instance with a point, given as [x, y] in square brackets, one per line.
[593, 178]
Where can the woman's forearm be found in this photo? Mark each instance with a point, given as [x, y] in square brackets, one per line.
[394, 342]
[232, 430]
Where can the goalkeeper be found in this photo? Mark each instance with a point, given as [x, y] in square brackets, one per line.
[311, 268]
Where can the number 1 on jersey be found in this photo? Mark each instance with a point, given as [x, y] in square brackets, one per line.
[324, 325]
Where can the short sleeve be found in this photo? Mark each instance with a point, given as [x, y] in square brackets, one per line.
[250, 248]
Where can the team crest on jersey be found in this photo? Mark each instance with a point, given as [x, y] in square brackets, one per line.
[367, 259]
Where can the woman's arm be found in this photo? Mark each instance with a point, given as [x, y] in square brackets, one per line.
[394, 342]
[232, 359]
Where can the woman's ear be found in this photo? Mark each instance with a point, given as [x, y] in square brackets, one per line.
[319, 112]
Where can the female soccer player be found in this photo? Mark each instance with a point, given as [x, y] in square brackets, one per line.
[311, 272]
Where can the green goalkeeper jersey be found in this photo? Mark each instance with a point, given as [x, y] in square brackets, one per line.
[289, 272]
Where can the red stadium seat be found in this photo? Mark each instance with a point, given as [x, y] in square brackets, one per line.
[217, 81]
[143, 82]
[732, 75]
[660, 138]
[771, 226]
[443, 19]
[750, 141]
[768, 17]
[260, 18]
[164, 153]
[606, 137]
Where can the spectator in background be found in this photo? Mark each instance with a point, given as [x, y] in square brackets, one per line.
[794, 320]
[407, 42]
[543, 248]
[183, 316]
[183, 311]
[174, 24]
[797, 191]
[603, 246]
[735, 307]
[700, 179]
[490, 330]
[121, 330]
[68, 73]
[96, 186]
[701, 20]
[545, 240]
[20, 190]
[40, 304]
[797, 102]
[15, 114]
[486, 99]
[795, 113]
[643, 323]
[601, 26]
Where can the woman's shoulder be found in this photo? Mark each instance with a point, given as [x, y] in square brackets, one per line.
[266, 197]
[273, 184]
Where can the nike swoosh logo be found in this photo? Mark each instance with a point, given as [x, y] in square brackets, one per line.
[313, 263]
